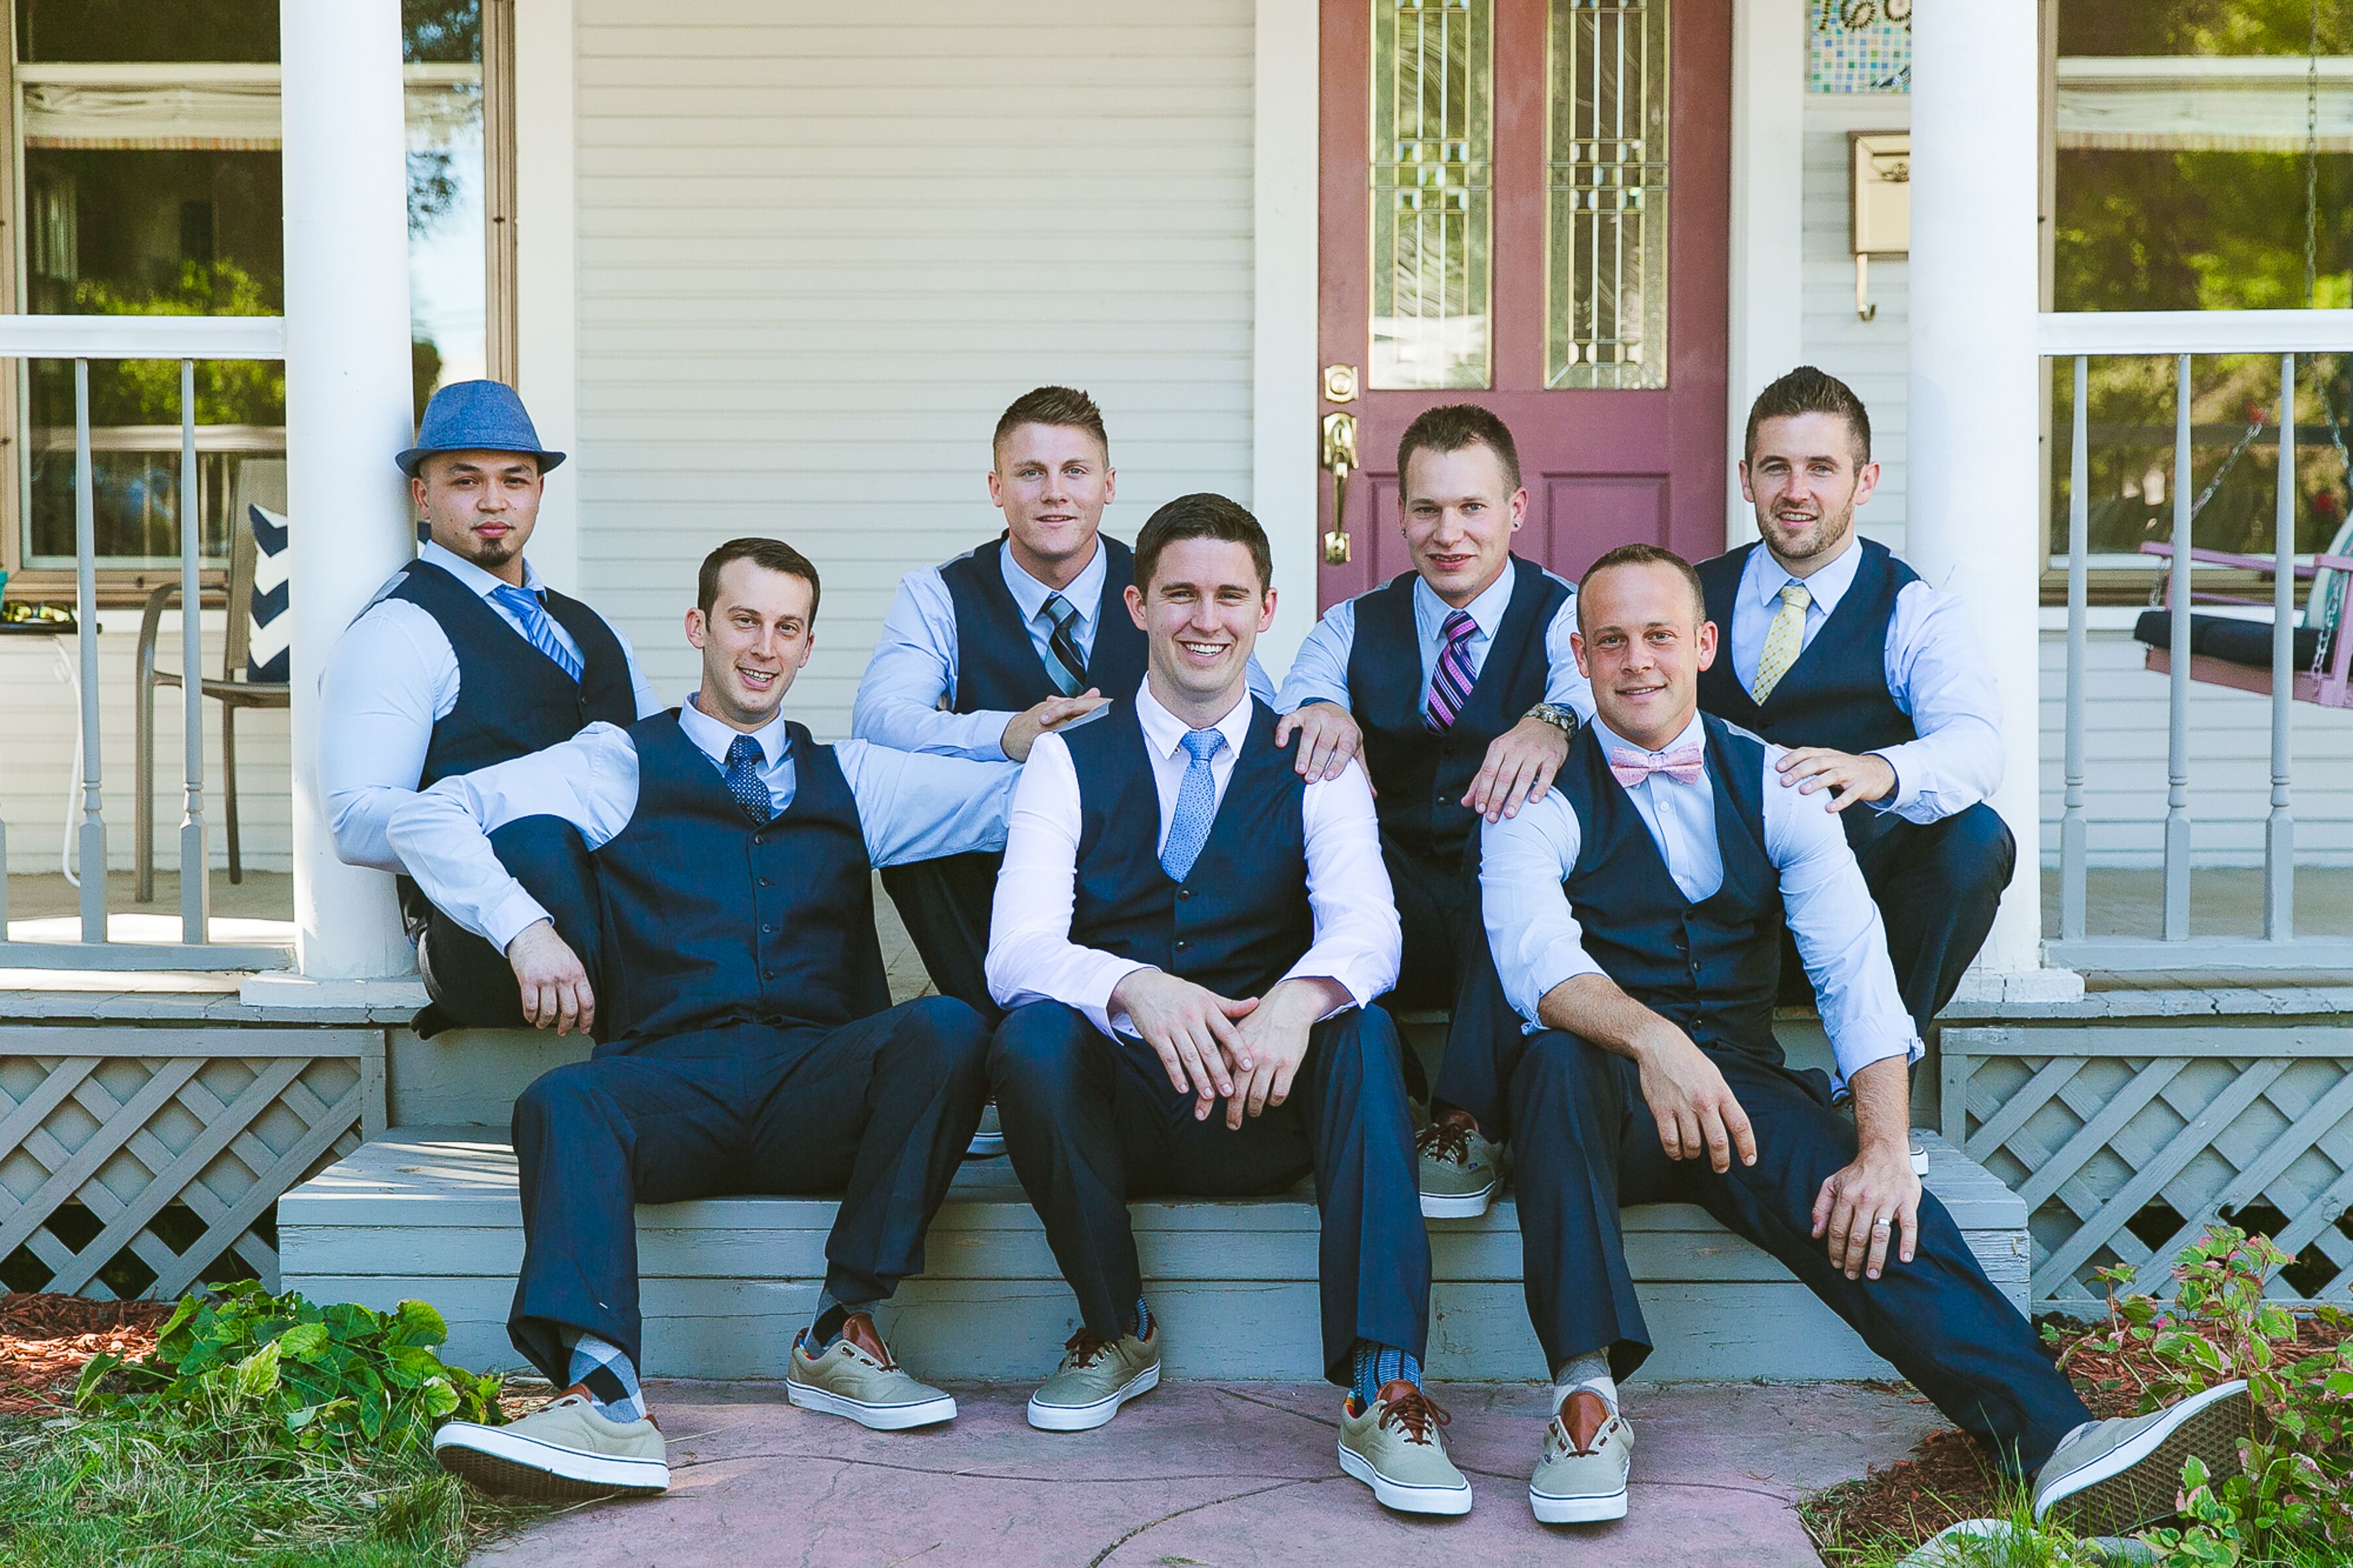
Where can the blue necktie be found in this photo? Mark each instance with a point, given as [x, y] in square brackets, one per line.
[744, 779]
[1065, 667]
[1196, 805]
[538, 625]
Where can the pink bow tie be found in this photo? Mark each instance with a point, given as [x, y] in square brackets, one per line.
[1685, 764]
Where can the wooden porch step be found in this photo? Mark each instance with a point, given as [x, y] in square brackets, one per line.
[432, 1213]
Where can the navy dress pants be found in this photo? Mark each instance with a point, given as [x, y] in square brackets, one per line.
[1091, 1122]
[1937, 885]
[1447, 964]
[469, 983]
[1587, 1144]
[880, 1111]
[945, 904]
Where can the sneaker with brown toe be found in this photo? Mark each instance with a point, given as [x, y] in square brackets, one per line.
[1588, 1451]
[856, 1377]
[1396, 1446]
[1457, 1167]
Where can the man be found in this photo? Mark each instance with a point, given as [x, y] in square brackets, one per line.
[1870, 677]
[1006, 642]
[747, 1042]
[466, 658]
[1637, 915]
[1186, 926]
[1455, 684]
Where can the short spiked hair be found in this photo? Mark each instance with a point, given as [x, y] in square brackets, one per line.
[1450, 428]
[1202, 515]
[770, 555]
[1051, 405]
[1806, 390]
[1646, 555]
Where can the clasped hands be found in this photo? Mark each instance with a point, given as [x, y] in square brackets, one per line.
[1519, 765]
[1243, 1052]
[1859, 1208]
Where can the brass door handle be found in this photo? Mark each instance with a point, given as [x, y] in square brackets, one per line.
[1339, 461]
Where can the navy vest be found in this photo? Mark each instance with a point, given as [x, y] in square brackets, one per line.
[1421, 776]
[1241, 919]
[513, 699]
[1836, 694]
[1713, 968]
[711, 922]
[997, 667]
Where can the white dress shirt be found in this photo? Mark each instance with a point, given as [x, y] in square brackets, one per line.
[902, 697]
[1538, 941]
[909, 808]
[1035, 956]
[390, 678]
[1935, 672]
[1320, 673]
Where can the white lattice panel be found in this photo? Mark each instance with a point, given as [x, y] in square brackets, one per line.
[2125, 1143]
[175, 1144]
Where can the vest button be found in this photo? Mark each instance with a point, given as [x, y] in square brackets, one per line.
[1180, 944]
[759, 838]
[764, 881]
[1183, 894]
[769, 930]
[767, 974]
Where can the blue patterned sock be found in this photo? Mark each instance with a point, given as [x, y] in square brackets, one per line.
[604, 1370]
[1142, 1319]
[824, 1327]
[1377, 1364]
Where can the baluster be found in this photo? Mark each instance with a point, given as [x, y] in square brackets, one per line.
[2074, 845]
[91, 839]
[196, 866]
[2279, 830]
[2176, 744]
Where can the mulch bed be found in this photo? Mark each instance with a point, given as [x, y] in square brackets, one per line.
[45, 1340]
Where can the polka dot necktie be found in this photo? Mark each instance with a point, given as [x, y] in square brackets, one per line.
[743, 780]
[1783, 640]
[1196, 805]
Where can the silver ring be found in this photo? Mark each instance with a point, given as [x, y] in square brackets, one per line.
[1879, 1225]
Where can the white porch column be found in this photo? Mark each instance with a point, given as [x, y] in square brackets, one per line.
[348, 396]
[1973, 462]
[1769, 189]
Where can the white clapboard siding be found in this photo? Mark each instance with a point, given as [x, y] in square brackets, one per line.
[821, 249]
[38, 717]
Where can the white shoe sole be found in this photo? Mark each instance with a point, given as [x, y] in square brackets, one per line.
[1402, 1497]
[985, 1146]
[1457, 1206]
[503, 1461]
[875, 1417]
[2182, 1427]
[1087, 1417]
[1550, 1510]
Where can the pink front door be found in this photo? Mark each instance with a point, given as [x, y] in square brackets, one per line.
[1525, 203]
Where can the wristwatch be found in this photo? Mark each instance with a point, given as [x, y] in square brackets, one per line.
[1561, 718]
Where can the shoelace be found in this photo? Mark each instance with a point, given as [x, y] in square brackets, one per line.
[1417, 1415]
[1082, 1350]
[1446, 1141]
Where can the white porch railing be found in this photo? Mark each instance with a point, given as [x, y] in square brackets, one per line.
[187, 339]
[2182, 335]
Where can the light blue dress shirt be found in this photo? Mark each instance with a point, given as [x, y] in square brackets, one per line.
[1320, 673]
[902, 699]
[1538, 941]
[909, 808]
[1935, 672]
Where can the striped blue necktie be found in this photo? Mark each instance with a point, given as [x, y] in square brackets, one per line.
[538, 625]
[1196, 805]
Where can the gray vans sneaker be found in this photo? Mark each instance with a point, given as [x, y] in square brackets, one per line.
[563, 1451]
[1458, 1168]
[1582, 1486]
[1395, 1447]
[856, 1377]
[1094, 1380]
[2112, 1478]
[988, 1139]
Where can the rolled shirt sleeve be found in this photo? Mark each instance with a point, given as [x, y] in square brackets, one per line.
[917, 807]
[901, 698]
[1939, 675]
[1531, 931]
[389, 677]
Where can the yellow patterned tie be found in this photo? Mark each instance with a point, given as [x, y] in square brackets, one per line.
[1783, 640]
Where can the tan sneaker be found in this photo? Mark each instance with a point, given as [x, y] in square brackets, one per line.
[988, 1139]
[1459, 1168]
[856, 1377]
[1583, 1485]
[562, 1451]
[1094, 1380]
[2113, 1477]
[1395, 1447]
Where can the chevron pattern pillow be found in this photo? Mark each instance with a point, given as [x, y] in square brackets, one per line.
[267, 661]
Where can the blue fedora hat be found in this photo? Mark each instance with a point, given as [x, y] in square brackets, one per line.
[475, 416]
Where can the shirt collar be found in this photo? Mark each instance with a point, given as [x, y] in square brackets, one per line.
[1084, 592]
[712, 739]
[1164, 732]
[1486, 611]
[1765, 576]
[473, 576]
[1694, 733]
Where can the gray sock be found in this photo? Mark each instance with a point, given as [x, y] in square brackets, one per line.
[604, 1370]
[1589, 1372]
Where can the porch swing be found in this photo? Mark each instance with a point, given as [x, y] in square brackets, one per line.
[2235, 651]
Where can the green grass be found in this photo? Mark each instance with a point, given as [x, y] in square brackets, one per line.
[111, 1489]
[2025, 1545]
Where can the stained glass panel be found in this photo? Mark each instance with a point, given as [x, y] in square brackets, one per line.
[1605, 252]
[1432, 146]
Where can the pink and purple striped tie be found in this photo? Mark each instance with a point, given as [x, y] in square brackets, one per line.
[1450, 683]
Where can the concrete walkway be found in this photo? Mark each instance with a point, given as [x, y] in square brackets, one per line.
[1229, 1475]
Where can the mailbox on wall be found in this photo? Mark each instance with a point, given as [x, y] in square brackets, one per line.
[1879, 204]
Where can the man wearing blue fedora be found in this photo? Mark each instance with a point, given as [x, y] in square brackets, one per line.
[465, 658]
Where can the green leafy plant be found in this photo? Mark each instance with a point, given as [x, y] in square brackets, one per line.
[320, 1377]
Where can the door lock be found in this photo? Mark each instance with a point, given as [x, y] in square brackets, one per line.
[1339, 461]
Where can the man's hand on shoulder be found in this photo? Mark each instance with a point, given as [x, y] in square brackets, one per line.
[1697, 1113]
[553, 982]
[1271, 1043]
[1328, 737]
[1520, 766]
[1190, 1027]
[1851, 778]
[1023, 729]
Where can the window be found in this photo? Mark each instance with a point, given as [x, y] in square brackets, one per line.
[1434, 143]
[148, 137]
[1606, 201]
